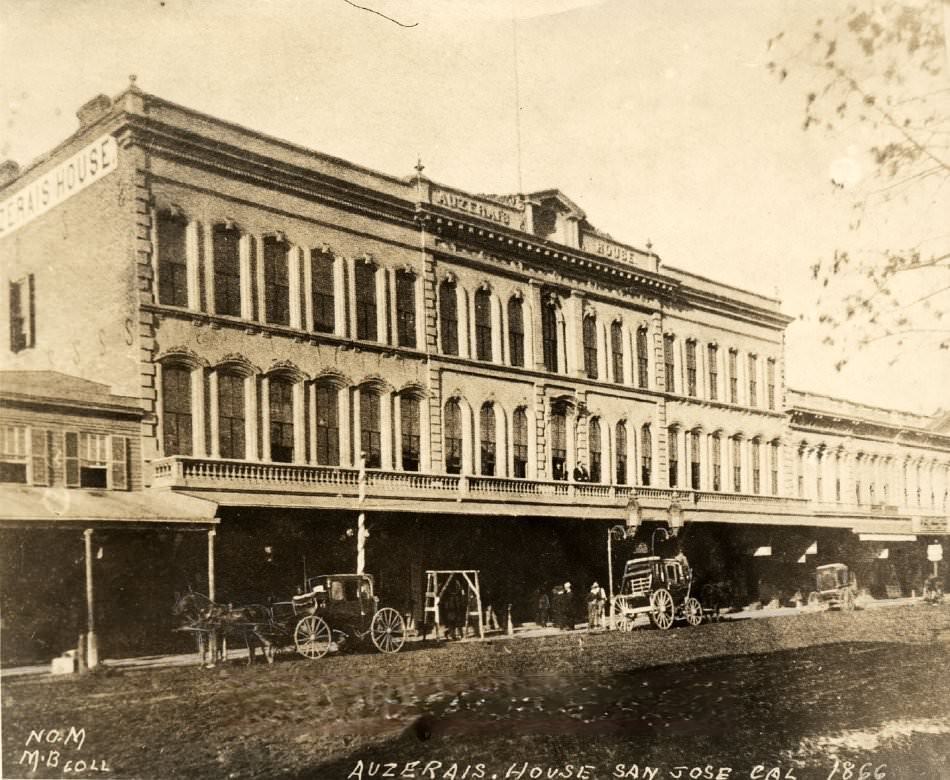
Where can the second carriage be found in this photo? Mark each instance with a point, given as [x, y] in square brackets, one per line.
[659, 588]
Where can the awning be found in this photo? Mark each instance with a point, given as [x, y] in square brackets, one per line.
[887, 537]
[23, 506]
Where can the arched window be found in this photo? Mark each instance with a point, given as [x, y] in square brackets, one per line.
[276, 281]
[757, 467]
[558, 444]
[712, 358]
[487, 423]
[406, 309]
[733, 376]
[773, 468]
[410, 432]
[453, 437]
[717, 462]
[226, 256]
[172, 259]
[281, 420]
[448, 318]
[753, 380]
[672, 438]
[324, 289]
[691, 367]
[328, 425]
[519, 441]
[370, 428]
[596, 450]
[646, 455]
[669, 362]
[621, 446]
[231, 415]
[515, 332]
[483, 325]
[643, 360]
[694, 459]
[176, 410]
[819, 467]
[736, 464]
[590, 347]
[366, 301]
[616, 351]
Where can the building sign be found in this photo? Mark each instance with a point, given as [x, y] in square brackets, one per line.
[931, 525]
[494, 212]
[599, 246]
[87, 166]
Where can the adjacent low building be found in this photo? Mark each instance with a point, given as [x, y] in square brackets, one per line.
[355, 370]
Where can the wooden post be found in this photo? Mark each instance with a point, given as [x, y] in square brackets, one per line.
[610, 578]
[92, 645]
[211, 535]
[360, 542]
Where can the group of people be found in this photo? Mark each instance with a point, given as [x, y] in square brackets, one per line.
[560, 608]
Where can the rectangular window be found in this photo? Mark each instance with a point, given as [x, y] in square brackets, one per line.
[328, 425]
[176, 410]
[483, 345]
[448, 318]
[756, 468]
[549, 336]
[558, 446]
[520, 439]
[717, 463]
[590, 347]
[370, 437]
[231, 415]
[276, 281]
[22, 314]
[694, 459]
[733, 377]
[643, 360]
[406, 309]
[691, 368]
[616, 351]
[753, 380]
[411, 436]
[172, 260]
[737, 465]
[621, 446]
[281, 421]
[646, 455]
[669, 362]
[366, 302]
[770, 369]
[323, 287]
[226, 256]
[773, 467]
[712, 355]
[515, 332]
[673, 438]
[13, 453]
[94, 458]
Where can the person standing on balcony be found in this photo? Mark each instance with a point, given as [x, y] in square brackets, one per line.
[580, 473]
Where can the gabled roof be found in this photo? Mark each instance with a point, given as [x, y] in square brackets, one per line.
[565, 202]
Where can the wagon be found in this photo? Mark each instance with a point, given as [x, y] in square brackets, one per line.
[339, 609]
[657, 587]
[835, 586]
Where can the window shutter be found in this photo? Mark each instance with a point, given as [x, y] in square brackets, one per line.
[40, 456]
[119, 471]
[15, 308]
[71, 458]
[31, 338]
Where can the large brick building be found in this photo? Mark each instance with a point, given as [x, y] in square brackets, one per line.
[319, 350]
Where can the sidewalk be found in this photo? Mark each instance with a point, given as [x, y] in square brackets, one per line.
[523, 631]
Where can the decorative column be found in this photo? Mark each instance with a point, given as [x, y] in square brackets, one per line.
[391, 301]
[386, 429]
[247, 282]
[340, 267]
[311, 388]
[425, 436]
[92, 641]
[307, 292]
[198, 412]
[213, 412]
[477, 440]
[343, 416]
[351, 295]
[211, 588]
[504, 352]
[464, 322]
[300, 425]
[191, 265]
[397, 432]
[294, 269]
[536, 305]
[603, 347]
[497, 329]
[259, 281]
[625, 338]
[532, 469]
[382, 305]
[250, 417]
[574, 334]
[357, 431]
[467, 436]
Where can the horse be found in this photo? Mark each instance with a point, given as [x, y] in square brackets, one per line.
[213, 624]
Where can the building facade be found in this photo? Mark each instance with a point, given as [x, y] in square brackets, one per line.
[361, 369]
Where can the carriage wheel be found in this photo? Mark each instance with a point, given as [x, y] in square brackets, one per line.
[624, 621]
[388, 630]
[662, 603]
[846, 602]
[693, 611]
[312, 637]
[813, 599]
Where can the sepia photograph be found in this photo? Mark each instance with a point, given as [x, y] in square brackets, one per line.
[475, 389]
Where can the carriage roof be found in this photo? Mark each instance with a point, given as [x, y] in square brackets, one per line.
[829, 566]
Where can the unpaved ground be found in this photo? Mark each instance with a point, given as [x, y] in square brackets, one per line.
[794, 692]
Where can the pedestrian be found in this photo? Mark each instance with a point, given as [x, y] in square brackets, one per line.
[544, 609]
[568, 609]
[595, 605]
[453, 611]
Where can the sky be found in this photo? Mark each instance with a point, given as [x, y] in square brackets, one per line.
[659, 119]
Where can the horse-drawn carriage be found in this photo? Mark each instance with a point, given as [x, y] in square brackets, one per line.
[657, 587]
[835, 586]
[336, 609]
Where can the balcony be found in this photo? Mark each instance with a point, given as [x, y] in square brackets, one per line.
[247, 483]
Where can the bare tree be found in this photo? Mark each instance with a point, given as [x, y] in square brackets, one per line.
[881, 75]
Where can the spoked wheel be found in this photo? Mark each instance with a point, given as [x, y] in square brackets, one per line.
[693, 611]
[847, 600]
[625, 621]
[312, 637]
[813, 599]
[388, 630]
[662, 603]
